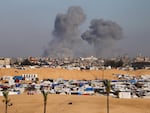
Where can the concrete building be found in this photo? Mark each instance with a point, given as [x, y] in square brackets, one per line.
[4, 61]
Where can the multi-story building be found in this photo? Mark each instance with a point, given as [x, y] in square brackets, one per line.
[5, 62]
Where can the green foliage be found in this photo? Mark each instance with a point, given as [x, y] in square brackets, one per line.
[113, 63]
[6, 99]
[5, 94]
[107, 86]
[45, 94]
[26, 62]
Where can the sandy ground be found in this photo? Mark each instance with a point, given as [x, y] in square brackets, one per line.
[72, 74]
[80, 104]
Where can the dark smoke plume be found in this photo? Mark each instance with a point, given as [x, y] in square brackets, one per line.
[67, 40]
[66, 36]
[102, 35]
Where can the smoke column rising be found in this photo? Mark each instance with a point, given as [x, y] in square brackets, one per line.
[66, 34]
[68, 42]
[102, 35]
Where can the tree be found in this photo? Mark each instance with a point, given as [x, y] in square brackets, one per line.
[107, 88]
[113, 63]
[6, 99]
[45, 93]
[26, 62]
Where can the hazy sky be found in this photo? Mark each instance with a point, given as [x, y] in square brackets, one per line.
[26, 25]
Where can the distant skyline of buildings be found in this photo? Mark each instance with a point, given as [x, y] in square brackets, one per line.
[88, 63]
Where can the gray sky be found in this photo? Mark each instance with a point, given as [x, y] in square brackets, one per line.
[26, 25]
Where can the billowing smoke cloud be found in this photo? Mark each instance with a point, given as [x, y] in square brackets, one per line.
[102, 35]
[67, 39]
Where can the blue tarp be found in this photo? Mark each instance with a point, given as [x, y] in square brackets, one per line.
[18, 85]
[89, 89]
[133, 81]
[81, 84]
[18, 77]
[114, 81]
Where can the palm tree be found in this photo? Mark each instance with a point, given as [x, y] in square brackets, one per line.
[107, 88]
[45, 93]
[6, 99]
